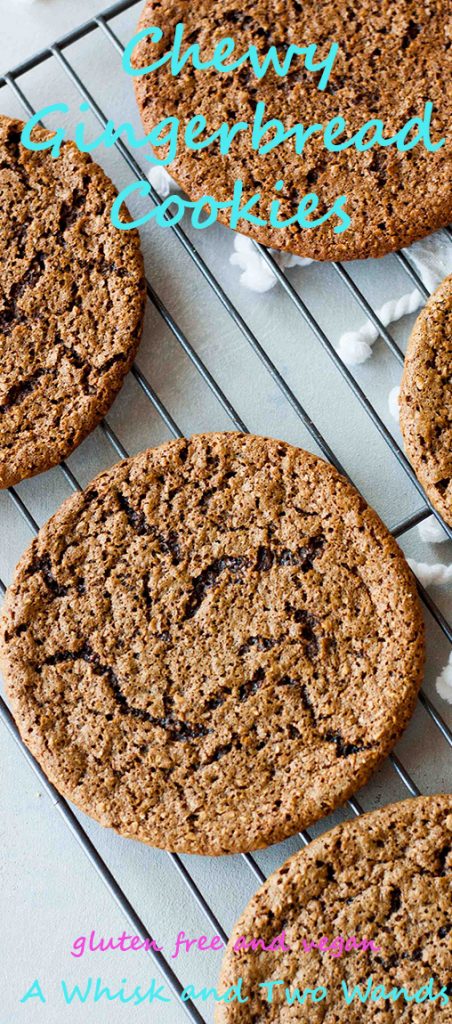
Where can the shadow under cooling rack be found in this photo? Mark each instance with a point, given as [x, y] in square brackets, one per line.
[101, 24]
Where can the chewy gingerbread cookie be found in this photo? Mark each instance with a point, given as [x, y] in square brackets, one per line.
[72, 294]
[376, 894]
[426, 399]
[213, 645]
[393, 60]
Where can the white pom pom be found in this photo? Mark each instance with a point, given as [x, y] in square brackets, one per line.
[256, 275]
[444, 682]
[428, 574]
[353, 348]
[161, 181]
[393, 403]
[243, 244]
[431, 531]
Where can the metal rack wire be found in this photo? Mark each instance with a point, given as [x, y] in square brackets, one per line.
[10, 80]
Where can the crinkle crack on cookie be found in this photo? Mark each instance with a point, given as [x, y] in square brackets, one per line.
[426, 399]
[213, 645]
[72, 294]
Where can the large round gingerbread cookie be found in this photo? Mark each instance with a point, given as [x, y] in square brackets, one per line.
[213, 645]
[72, 295]
[394, 57]
[376, 892]
[426, 399]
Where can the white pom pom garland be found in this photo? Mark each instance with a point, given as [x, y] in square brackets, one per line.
[355, 346]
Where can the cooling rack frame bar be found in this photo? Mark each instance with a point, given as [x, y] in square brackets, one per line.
[101, 22]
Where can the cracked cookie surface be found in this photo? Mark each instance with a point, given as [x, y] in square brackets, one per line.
[213, 645]
[72, 296]
[385, 877]
[426, 399]
[394, 56]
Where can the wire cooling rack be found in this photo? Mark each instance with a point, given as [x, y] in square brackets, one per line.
[60, 52]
